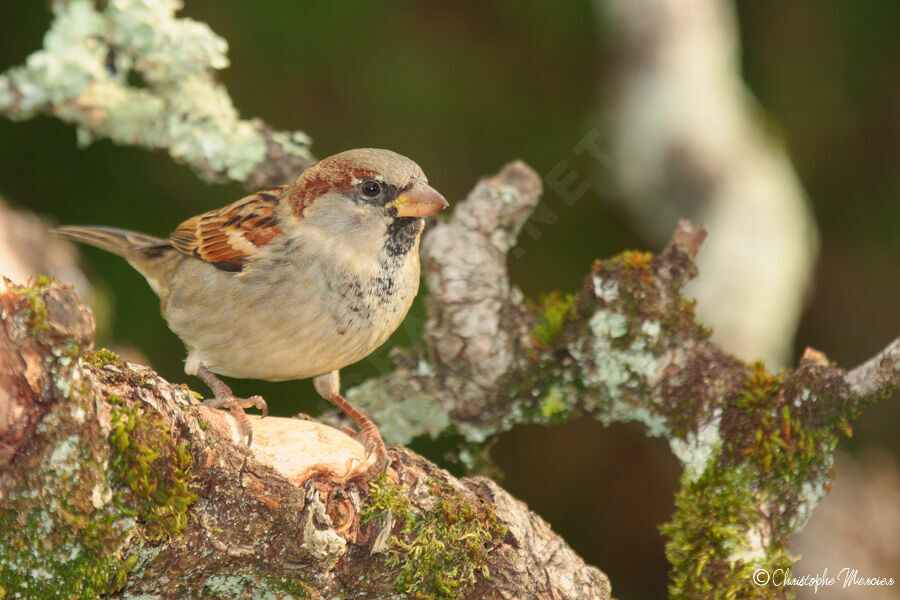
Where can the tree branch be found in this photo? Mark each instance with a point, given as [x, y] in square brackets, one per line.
[115, 481]
[878, 376]
[135, 74]
[757, 447]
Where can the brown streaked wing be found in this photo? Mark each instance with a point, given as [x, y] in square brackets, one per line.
[227, 237]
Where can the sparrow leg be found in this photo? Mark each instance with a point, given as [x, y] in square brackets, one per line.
[329, 387]
[224, 397]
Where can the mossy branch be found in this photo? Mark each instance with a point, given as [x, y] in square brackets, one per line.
[113, 481]
[757, 447]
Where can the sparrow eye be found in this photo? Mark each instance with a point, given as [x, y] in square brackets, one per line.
[371, 189]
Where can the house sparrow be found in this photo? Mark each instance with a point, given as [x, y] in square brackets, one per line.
[290, 282]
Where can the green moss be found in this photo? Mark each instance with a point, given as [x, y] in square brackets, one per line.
[628, 283]
[760, 388]
[153, 473]
[36, 317]
[439, 551]
[102, 357]
[710, 537]
[294, 587]
[554, 406]
[773, 470]
[638, 264]
[385, 497]
[552, 313]
[54, 542]
[76, 558]
[778, 434]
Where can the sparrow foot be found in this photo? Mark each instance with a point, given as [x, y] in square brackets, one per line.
[251, 402]
[371, 440]
[225, 398]
[369, 436]
[329, 387]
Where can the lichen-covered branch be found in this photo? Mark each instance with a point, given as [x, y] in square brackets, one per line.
[757, 447]
[115, 482]
[880, 375]
[132, 72]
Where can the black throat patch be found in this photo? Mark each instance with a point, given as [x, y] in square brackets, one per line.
[401, 236]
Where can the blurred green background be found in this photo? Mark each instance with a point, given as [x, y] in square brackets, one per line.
[463, 88]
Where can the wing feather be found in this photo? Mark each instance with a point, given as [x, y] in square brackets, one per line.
[230, 236]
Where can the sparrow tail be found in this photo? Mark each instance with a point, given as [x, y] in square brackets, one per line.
[154, 258]
[118, 241]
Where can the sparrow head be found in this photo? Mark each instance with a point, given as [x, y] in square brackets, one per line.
[366, 193]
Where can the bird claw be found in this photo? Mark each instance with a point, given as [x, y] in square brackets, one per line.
[256, 402]
[371, 440]
[372, 443]
[236, 406]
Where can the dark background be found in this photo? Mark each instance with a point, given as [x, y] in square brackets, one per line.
[463, 88]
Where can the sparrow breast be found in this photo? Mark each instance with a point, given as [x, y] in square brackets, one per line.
[308, 307]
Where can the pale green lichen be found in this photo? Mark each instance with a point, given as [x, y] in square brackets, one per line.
[154, 35]
[605, 324]
[251, 586]
[696, 450]
[621, 412]
[293, 142]
[651, 329]
[505, 193]
[64, 457]
[477, 434]
[605, 289]
[811, 493]
[63, 68]
[401, 414]
[616, 363]
[424, 368]
[82, 76]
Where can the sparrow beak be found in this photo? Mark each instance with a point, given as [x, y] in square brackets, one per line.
[420, 200]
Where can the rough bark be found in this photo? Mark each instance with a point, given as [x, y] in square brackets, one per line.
[757, 447]
[114, 481]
